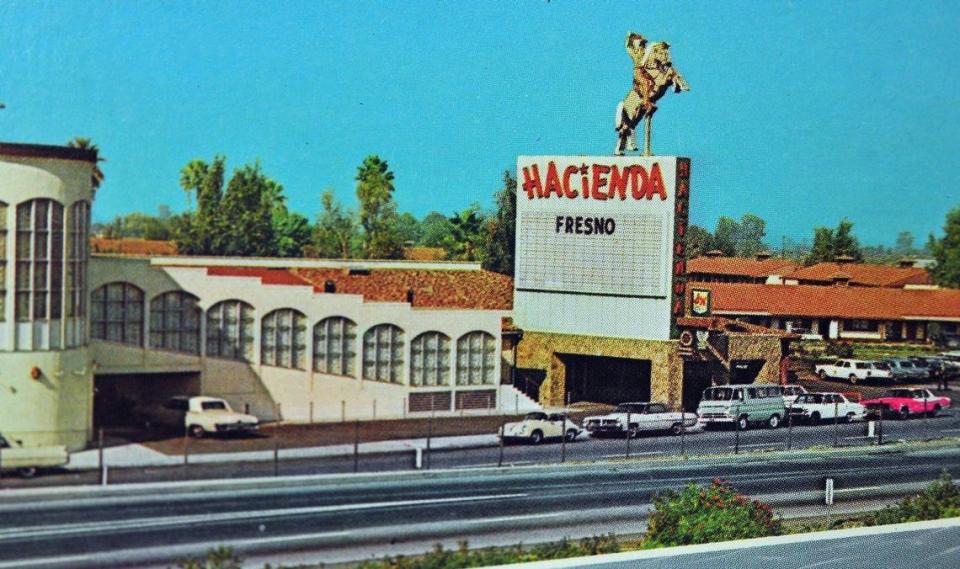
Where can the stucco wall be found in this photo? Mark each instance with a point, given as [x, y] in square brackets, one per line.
[758, 347]
[538, 350]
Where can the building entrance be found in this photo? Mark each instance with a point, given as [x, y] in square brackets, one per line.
[606, 380]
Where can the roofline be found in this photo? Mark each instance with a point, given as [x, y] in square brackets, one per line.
[740, 313]
[22, 150]
[293, 263]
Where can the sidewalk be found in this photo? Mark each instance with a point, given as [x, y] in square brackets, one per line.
[140, 456]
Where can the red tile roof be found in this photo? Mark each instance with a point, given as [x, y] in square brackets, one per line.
[815, 301]
[424, 253]
[740, 266]
[464, 289]
[479, 290]
[863, 274]
[139, 247]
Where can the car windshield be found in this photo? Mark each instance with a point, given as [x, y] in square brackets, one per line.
[537, 416]
[213, 406]
[898, 393]
[630, 408]
[919, 393]
[881, 365]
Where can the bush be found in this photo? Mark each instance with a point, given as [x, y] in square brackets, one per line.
[704, 515]
[461, 557]
[219, 558]
[838, 350]
[939, 500]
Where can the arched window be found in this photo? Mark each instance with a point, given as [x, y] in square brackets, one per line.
[283, 339]
[230, 330]
[383, 353]
[117, 314]
[430, 359]
[78, 226]
[334, 346]
[476, 353]
[175, 322]
[39, 247]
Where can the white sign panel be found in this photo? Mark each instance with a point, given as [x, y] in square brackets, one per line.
[596, 234]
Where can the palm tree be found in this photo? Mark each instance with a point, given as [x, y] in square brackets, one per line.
[86, 144]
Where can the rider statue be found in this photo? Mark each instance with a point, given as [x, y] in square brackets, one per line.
[653, 73]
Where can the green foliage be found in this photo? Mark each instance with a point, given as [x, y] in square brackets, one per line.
[440, 558]
[724, 236]
[699, 241]
[436, 230]
[468, 234]
[219, 558]
[939, 500]
[946, 252]
[336, 229]
[838, 350]
[704, 515]
[828, 244]
[96, 178]
[249, 218]
[378, 211]
[139, 226]
[742, 238]
[501, 243]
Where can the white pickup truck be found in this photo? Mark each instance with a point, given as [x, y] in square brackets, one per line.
[634, 418]
[853, 371]
[26, 460]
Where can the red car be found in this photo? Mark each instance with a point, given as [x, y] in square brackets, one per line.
[902, 403]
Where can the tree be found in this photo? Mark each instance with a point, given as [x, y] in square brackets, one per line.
[378, 211]
[138, 225]
[725, 236]
[946, 252]
[436, 230]
[96, 178]
[408, 229]
[699, 241]
[501, 235]
[904, 244]
[822, 249]
[201, 232]
[336, 228]
[468, 235]
[749, 235]
[830, 244]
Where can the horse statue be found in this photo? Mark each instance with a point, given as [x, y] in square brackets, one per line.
[653, 74]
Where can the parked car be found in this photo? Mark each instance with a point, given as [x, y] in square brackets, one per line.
[198, 416]
[951, 361]
[853, 371]
[815, 407]
[634, 418]
[790, 392]
[742, 405]
[26, 461]
[904, 370]
[927, 364]
[903, 402]
[538, 426]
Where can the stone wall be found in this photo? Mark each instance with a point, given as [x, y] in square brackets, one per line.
[538, 350]
[758, 347]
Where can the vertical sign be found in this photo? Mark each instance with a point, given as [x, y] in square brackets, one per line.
[681, 217]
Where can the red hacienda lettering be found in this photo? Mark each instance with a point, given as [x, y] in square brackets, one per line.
[597, 181]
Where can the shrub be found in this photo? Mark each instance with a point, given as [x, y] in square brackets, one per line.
[704, 515]
[440, 558]
[939, 500]
[219, 558]
[838, 350]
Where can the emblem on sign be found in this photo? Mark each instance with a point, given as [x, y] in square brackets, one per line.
[700, 302]
[702, 337]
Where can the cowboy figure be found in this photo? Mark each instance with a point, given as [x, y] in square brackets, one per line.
[638, 51]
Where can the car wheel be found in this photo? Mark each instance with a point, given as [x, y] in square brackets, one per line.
[850, 417]
[815, 418]
[743, 423]
[536, 437]
[571, 435]
[852, 379]
[934, 412]
[774, 421]
[27, 472]
[823, 375]
[904, 412]
[197, 432]
[676, 429]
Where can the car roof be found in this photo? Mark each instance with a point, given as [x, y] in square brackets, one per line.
[204, 398]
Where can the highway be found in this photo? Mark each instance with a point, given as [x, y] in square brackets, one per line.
[584, 449]
[334, 518]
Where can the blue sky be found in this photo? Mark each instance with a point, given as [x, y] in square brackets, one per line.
[800, 112]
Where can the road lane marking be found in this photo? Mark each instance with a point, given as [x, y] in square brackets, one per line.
[778, 445]
[624, 455]
[173, 521]
[950, 430]
[43, 561]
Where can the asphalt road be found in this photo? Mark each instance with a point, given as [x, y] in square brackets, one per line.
[336, 517]
[584, 449]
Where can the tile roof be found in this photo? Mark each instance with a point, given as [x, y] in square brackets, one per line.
[816, 301]
[863, 274]
[464, 289]
[138, 247]
[739, 266]
[424, 253]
